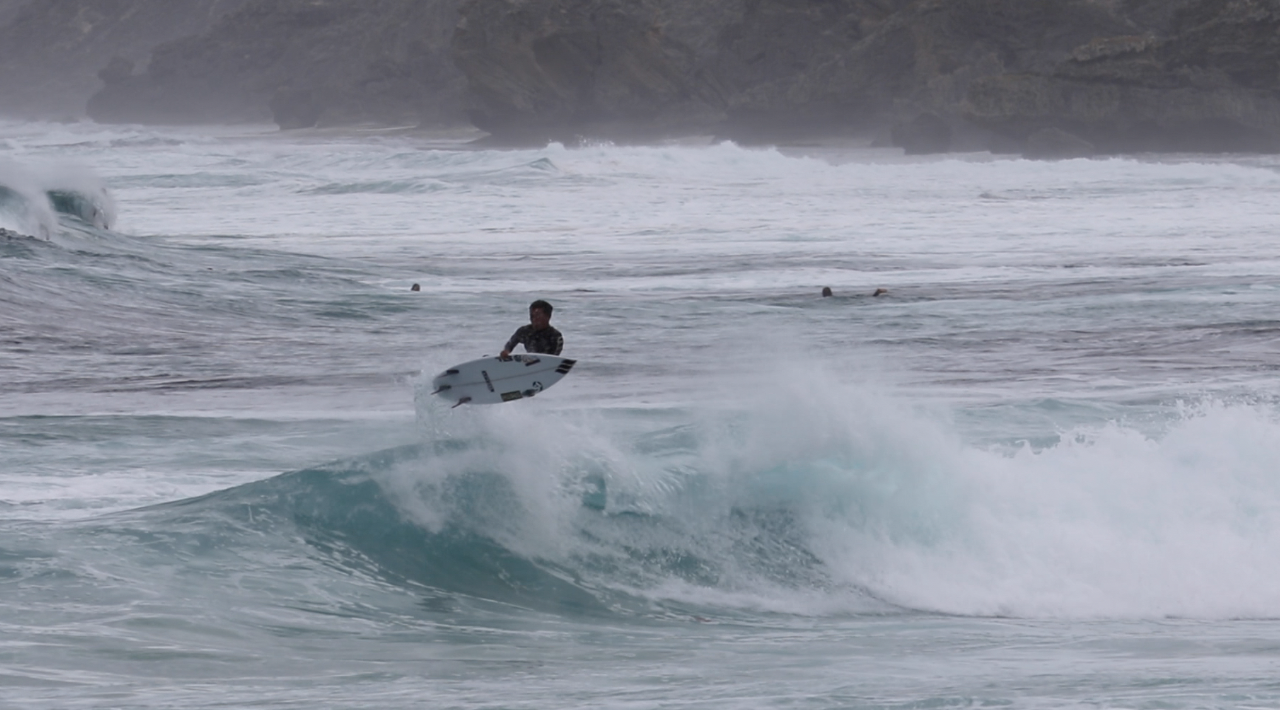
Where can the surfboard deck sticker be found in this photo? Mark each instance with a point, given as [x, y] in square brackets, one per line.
[492, 380]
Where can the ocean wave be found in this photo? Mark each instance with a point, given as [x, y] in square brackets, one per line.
[347, 517]
[753, 513]
[32, 197]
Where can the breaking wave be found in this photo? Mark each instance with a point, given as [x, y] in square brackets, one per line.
[846, 507]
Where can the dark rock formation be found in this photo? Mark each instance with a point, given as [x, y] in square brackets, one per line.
[561, 69]
[1211, 85]
[1119, 75]
[927, 55]
[295, 108]
[791, 69]
[51, 50]
[119, 70]
[926, 133]
[745, 68]
[1055, 143]
[1116, 74]
[619, 69]
[305, 61]
[1157, 17]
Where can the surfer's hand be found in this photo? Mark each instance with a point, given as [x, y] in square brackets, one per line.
[504, 355]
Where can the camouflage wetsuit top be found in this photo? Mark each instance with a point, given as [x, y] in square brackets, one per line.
[548, 341]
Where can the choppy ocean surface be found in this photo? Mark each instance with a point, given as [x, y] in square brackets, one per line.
[1041, 471]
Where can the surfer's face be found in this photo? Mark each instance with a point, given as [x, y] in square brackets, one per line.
[539, 318]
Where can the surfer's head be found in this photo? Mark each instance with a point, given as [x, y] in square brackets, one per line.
[542, 305]
[540, 314]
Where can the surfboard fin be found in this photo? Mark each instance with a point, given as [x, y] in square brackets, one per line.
[441, 388]
[461, 402]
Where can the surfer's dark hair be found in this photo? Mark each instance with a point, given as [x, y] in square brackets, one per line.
[541, 305]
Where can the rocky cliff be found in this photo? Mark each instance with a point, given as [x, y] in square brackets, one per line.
[555, 69]
[753, 68]
[1212, 84]
[1067, 77]
[305, 62]
[51, 50]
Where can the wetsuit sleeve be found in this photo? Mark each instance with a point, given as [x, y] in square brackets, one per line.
[515, 340]
[559, 344]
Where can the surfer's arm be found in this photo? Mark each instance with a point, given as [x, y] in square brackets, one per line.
[511, 344]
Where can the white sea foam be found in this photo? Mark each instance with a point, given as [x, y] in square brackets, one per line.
[1107, 524]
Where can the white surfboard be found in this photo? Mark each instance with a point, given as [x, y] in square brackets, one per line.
[491, 380]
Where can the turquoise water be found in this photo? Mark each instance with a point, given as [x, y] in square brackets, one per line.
[1040, 471]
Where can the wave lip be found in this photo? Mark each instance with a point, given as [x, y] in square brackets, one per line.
[31, 198]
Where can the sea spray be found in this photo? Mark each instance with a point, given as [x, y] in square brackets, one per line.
[1109, 523]
[24, 206]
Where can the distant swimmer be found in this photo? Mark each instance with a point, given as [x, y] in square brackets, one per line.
[538, 336]
[826, 291]
[415, 287]
[880, 292]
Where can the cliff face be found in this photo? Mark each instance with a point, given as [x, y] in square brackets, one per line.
[305, 61]
[619, 68]
[641, 68]
[1073, 76]
[51, 50]
[1211, 85]
[924, 58]
[541, 69]
[1068, 75]
[790, 67]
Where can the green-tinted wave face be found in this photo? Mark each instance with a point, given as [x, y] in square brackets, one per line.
[457, 518]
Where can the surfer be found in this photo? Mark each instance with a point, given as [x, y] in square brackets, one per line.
[538, 336]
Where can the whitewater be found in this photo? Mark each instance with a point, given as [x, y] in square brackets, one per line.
[1040, 470]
